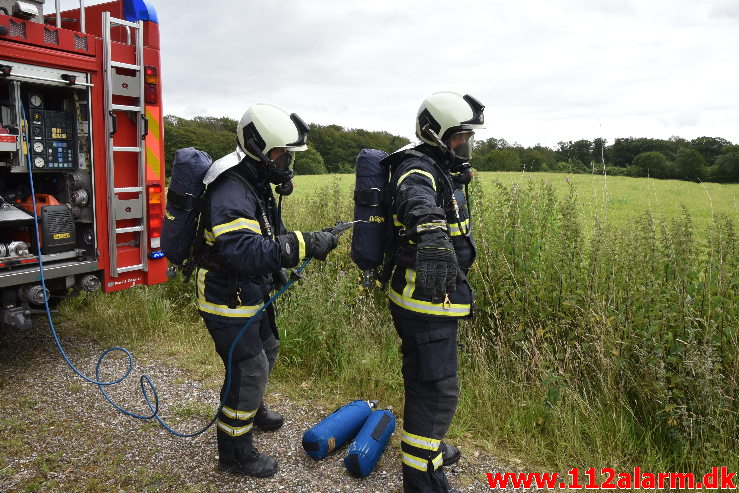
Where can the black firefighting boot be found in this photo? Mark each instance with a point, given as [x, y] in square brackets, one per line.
[255, 464]
[450, 454]
[268, 420]
[237, 455]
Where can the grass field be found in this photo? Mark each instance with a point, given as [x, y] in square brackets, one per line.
[606, 331]
[616, 198]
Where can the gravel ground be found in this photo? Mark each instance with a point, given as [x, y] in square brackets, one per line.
[57, 433]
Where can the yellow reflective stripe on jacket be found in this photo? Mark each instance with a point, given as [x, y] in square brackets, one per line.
[222, 310]
[420, 442]
[420, 172]
[451, 310]
[414, 462]
[234, 431]
[209, 238]
[235, 414]
[301, 244]
[236, 224]
[455, 227]
[410, 283]
[396, 222]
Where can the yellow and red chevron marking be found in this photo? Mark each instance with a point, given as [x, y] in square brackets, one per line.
[154, 143]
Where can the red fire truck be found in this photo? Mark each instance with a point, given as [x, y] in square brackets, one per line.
[80, 116]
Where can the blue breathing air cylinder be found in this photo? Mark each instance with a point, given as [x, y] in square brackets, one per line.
[366, 449]
[370, 234]
[336, 429]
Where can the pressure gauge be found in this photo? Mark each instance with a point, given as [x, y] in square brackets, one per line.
[36, 116]
[38, 147]
[39, 162]
[36, 100]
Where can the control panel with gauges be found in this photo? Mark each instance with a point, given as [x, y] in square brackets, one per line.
[52, 136]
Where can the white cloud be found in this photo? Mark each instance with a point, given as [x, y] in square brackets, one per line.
[547, 70]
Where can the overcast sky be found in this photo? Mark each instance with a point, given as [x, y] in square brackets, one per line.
[547, 70]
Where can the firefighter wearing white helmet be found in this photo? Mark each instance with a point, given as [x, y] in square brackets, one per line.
[245, 249]
[432, 251]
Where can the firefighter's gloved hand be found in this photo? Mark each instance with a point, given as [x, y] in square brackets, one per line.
[321, 242]
[436, 265]
[297, 246]
[279, 279]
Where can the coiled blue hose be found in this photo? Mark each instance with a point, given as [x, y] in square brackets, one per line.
[144, 380]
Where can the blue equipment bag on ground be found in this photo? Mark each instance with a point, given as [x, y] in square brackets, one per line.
[370, 236]
[336, 429]
[184, 198]
[366, 449]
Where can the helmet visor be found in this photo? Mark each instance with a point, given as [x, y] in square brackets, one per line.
[462, 143]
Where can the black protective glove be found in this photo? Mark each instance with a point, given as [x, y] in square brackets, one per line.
[436, 265]
[279, 279]
[321, 242]
[317, 244]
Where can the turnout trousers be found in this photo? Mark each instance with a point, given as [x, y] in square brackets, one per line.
[252, 361]
[429, 348]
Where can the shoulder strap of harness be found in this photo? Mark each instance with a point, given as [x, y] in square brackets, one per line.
[261, 213]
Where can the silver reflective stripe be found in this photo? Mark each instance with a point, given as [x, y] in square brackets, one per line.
[428, 307]
[454, 227]
[242, 311]
[236, 224]
[420, 172]
[235, 414]
[421, 442]
[234, 431]
[414, 462]
[223, 310]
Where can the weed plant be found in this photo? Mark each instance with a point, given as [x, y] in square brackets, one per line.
[595, 343]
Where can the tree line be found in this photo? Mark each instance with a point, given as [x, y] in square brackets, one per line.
[703, 158]
[333, 149]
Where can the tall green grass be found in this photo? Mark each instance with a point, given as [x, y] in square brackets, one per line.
[597, 342]
[606, 342]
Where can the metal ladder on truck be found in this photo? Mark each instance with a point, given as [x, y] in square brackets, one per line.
[125, 209]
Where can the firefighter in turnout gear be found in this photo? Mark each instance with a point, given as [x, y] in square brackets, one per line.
[428, 292]
[245, 249]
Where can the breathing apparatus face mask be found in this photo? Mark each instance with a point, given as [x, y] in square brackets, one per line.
[280, 171]
[460, 151]
[457, 150]
[461, 145]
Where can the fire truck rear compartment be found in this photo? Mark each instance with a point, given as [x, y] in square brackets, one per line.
[49, 125]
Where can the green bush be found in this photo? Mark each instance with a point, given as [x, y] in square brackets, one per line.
[615, 171]
[309, 162]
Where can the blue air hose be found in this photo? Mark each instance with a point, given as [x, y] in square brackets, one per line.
[144, 379]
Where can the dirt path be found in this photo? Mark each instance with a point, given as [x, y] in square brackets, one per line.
[57, 433]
